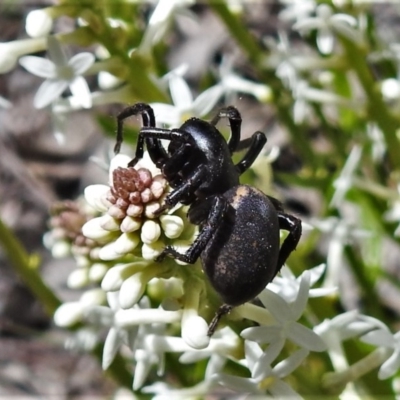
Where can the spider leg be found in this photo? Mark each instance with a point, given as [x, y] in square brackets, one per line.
[217, 210]
[152, 135]
[235, 121]
[156, 150]
[186, 190]
[293, 225]
[258, 141]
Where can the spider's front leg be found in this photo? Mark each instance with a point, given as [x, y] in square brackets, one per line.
[154, 146]
[293, 225]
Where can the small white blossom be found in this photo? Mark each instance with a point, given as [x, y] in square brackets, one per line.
[343, 327]
[160, 20]
[287, 285]
[326, 23]
[234, 83]
[184, 106]
[60, 74]
[342, 232]
[391, 343]
[264, 377]
[297, 10]
[286, 326]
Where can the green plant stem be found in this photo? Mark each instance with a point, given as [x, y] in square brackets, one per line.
[27, 267]
[376, 108]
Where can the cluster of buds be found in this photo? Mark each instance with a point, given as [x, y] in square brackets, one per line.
[117, 224]
[128, 226]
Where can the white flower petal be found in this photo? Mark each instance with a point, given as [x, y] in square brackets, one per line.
[55, 51]
[281, 390]
[180, 93]
[262, 334]
[167, 114]
[207, 100]
[288, 365]
[276, 306]
[390, 366]
[238, 384]
[81, 62]
[80, 90]
[305, 337]
[253, 352]
[39, 66]
[49, 91]
[379, 337]
[300, 303]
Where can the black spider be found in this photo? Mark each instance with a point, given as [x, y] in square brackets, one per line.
[238, 242]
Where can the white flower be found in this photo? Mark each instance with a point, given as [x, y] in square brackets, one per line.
[391, 342]
[343, 327]
[340, 328]
[160, 20]
[233, 82]
[342, 231]
[297, 10]
[287, 285]
[184, 104]
[264, 377]
[60, 74]
[305, 94]
[326, 23]
[286, 326]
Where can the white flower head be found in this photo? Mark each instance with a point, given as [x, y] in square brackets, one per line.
[160, 20]
[264, 377]
[286, 326]
[60, 74]
[287, 285]
[327, 23]
[184, 105]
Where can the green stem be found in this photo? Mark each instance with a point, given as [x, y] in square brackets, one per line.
[27, 267]
[376, 108]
